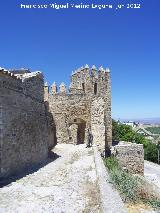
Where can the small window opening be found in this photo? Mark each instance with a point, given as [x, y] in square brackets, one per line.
[83, 87]
[95, 88]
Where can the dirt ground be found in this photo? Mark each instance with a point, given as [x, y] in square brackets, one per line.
[68, 185]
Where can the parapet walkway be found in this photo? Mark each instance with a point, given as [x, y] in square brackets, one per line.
[74, 183]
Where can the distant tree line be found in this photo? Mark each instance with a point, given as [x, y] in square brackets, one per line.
[122, 132]
[153, 130]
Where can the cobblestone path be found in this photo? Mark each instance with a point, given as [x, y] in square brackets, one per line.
[66, 185]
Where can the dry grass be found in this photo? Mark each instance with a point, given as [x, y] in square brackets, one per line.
[137, 208]
[133, 188]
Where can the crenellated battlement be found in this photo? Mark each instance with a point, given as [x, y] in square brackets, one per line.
[85, 80]
[5, 72]
[21, 74]
[34, 116]
[23, 81]
[91, 71]
[88, 100]
[90, 80]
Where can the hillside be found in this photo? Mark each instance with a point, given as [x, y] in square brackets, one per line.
[153, 130]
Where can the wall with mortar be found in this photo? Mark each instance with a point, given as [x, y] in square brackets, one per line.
[24, 126]
[130, 156]
[88, 99]
[67, 110]
[97, 122]
[28, 124]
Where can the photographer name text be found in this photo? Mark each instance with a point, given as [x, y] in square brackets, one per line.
[80, 6]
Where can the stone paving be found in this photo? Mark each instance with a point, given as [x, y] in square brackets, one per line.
[66, 185]
[152, 173]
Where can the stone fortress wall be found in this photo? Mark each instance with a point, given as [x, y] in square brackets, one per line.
[87, 104]
[24, 128]
[130, 156]
[33, 118]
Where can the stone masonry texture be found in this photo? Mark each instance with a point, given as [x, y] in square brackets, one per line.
[130, 157]
[24, 128]
[87, 104]
[34, 118]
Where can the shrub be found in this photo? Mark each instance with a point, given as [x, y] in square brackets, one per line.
[154, 130]
[150, 152]
[154, 203]
[124, 182]
[122, 132]
[111, 163]
[132, 188]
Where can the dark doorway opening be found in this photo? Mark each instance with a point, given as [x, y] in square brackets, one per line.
[81, 133]
[77, 131]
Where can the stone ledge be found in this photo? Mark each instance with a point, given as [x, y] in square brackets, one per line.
[130, 156]
[112, 203]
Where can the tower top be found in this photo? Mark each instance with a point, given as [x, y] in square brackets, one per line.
[86, 66]
[101, 68]
[46, 84]
[94, 67]
[107, 69]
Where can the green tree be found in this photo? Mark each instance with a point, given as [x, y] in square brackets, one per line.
[151, 152]
[115, 131]
[122, 132]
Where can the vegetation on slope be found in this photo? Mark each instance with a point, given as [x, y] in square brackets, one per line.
[122, 132]
[153, 130]
[132, 188]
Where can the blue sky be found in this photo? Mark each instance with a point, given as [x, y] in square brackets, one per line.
[59, 41]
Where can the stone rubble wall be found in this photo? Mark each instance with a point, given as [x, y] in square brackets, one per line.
[130, 156]
[51, 129]
[88, 99]
[23, 124]
[97, 122]
[29, 84]
[61, 128]
[33, 86]
[34, 120]
[66, 110]
[73, 133]
[108, 111]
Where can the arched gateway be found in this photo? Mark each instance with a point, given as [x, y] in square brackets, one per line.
[77, 131]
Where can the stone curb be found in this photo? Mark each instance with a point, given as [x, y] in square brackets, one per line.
[110, 199]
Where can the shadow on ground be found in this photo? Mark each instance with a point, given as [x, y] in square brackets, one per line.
[6, 181]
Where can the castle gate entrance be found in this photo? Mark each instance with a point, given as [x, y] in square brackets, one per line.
[77, 131]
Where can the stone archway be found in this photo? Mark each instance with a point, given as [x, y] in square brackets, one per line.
[77, 131]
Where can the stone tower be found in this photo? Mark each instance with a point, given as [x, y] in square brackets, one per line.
[87, 104]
